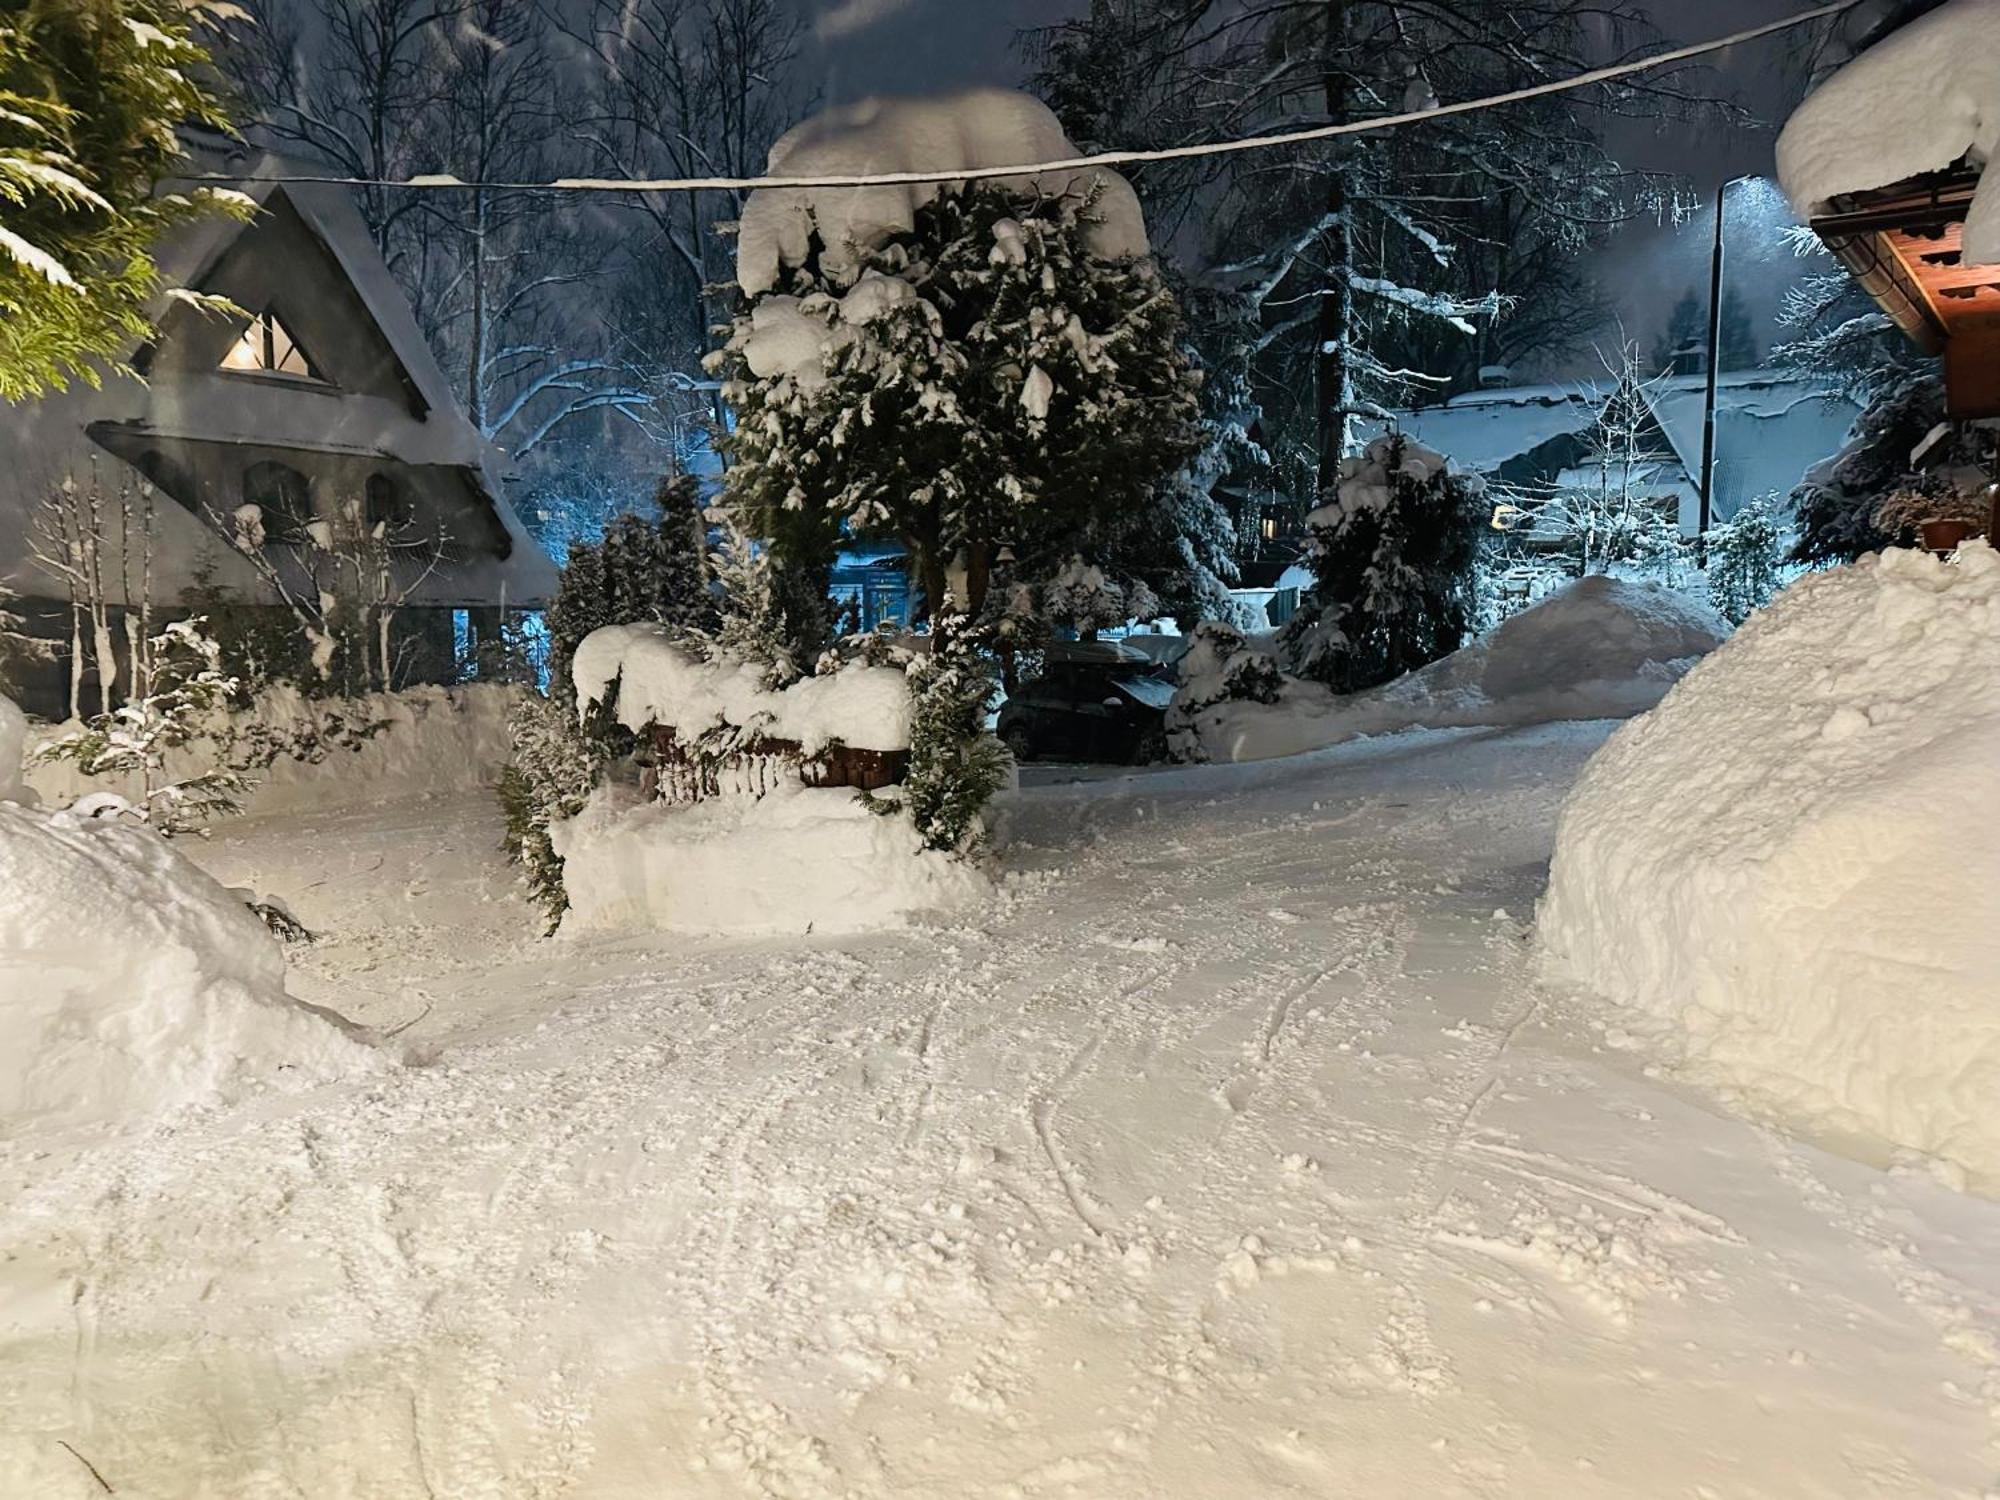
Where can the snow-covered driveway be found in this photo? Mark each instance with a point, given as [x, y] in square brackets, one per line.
[1234, 1154]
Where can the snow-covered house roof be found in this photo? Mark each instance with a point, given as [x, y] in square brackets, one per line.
[340, 381]
[1771, 427]
[1889, 161]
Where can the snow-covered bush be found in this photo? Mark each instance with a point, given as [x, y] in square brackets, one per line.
[1082, 597]
[13, 747]
[1746, 560]
[1393, 554]
[1219, 667]
[1787, 870]
[554, 769]
[186, 695]
[132, 984]
[1599, 648]
[955, 764]
[1838, 501]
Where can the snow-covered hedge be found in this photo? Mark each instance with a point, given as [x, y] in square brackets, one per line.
[132, 984]
[1791, 868]
[798, 860]
[1601, 648]
[660, 682]
[430, 741]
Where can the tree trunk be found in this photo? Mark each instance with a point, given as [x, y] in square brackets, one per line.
[1336, 308]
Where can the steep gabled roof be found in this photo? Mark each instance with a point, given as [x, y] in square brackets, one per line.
[43, 442]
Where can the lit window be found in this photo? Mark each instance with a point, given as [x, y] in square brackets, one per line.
[267, 347]
[1270, 528]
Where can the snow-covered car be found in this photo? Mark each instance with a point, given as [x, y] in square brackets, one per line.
[1093, 701]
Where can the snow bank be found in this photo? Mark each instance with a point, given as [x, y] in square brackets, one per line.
[1602, 648]
[13, 745]
[132, 984]
[863, 707]
[967, 130]
[436, 741]
[1913, 103]
[1792, 864]
[801, 859]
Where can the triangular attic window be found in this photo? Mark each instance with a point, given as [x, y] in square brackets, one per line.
[268, 348]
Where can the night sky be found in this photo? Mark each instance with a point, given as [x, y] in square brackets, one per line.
[910, 46]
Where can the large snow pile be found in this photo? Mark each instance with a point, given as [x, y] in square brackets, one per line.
[798, 860]
[659, 682]
[1915, 102]
[13, 745]
[1602, 648]
[1792, 864]
[965, 131]
[132, 984]
[432, 740]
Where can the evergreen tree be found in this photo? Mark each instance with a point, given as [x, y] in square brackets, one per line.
[1394, 553]
[985, 382]
[643, 570]
[1687, 329]
[90, 98]
[1746, 561]
[955, 765]
[1738, 341]
[1383, 263]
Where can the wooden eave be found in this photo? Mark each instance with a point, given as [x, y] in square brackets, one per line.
[1902, 242]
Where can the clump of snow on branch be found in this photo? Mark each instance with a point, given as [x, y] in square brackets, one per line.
[662, 682]
[969, 130]
[135, 985]
[1788, 869]
[1915, 102]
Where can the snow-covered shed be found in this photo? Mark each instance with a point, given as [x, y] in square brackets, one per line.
[323, 393]
[1771, 427]
[1887, 161]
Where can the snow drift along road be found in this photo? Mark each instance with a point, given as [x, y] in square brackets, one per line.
[1792, 864]
[132, 984]
[1602, 648]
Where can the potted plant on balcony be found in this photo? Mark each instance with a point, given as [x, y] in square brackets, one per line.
[1937, 511]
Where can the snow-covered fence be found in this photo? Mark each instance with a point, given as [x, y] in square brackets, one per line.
[756, 766]
[714, 729]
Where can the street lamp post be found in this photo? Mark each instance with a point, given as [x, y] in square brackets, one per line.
[1706, 516]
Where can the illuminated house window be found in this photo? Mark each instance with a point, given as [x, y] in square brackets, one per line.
[1270, 528]
[268, 348]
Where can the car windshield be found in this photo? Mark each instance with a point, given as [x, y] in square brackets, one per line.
[1151, 691]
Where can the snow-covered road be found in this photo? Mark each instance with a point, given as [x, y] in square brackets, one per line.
[1234, 1153]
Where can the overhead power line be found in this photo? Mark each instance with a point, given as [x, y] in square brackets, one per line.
[1074, 163]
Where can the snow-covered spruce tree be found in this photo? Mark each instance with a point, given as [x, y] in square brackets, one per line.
[1746, 556]
[554, 769]
[981, 381]
[90, 97]
[1393, 555]
[1083, 598]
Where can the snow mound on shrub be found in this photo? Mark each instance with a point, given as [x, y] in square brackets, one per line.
[964, 131]
[1792, 867]
[1602, 648]
[798, 859]
[131, 984]
[659, 682]
[1915, 102]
